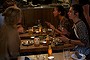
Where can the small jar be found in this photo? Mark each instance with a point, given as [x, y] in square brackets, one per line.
[36, 41]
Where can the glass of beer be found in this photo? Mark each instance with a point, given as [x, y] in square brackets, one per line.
[30, 31]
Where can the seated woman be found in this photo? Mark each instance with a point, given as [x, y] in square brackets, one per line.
[9, 37]
[81, 30]
[64, 26]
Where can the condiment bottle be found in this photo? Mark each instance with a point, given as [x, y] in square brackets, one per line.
[49, 50]
[47, 39]
[40, 28]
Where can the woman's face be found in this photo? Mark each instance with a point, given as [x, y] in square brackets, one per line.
[55, 12]
[71, 14]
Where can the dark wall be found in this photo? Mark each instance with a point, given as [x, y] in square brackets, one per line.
[42, 1]
[31, 15]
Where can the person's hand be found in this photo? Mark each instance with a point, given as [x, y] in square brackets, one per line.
[50, 25]
[64, 39]
[64, 31]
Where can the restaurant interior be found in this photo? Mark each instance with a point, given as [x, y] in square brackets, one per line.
[38, 40]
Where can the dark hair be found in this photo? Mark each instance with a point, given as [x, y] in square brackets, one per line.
[61, 9]
[12, 15]
[84, 2]
[78, 8]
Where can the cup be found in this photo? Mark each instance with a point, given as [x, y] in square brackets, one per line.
[44, 30]
[36, 41]
[30, 31]
[66, 53]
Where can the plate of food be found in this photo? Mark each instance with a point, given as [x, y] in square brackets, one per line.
[27, 43]
[78, 56]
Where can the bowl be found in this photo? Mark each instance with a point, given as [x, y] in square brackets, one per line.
[44, 43]
[75, 57]
[51, 58]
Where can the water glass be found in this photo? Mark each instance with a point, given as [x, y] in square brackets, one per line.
[66, 53]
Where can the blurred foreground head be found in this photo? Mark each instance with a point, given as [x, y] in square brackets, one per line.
[12, 15]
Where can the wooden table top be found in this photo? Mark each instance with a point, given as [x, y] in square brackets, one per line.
[32, 48]
[40, 48]
[57, 56]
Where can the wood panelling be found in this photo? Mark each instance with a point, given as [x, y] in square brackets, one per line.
[31, 15]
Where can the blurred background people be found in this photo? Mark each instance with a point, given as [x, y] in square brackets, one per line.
[9, 37]
[64, 25]
[80, 28]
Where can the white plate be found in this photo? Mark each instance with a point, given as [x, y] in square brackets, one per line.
[75, 57]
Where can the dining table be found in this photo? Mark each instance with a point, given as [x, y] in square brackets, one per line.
[42, 47]
[40, 52]
[55, 56]
[27, 42]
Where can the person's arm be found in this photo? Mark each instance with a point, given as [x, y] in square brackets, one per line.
[75, 42]
[67, 40]
[62, 32]
[52, 27]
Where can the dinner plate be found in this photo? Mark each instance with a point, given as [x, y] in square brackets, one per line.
[75, 57]
[27, 43]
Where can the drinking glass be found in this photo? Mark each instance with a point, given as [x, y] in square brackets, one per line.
[66, 53]
[30, 31]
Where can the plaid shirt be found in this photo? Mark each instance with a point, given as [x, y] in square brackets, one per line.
[81, 33]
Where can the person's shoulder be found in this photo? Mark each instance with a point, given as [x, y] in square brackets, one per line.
[80, 23]
[0, 14]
